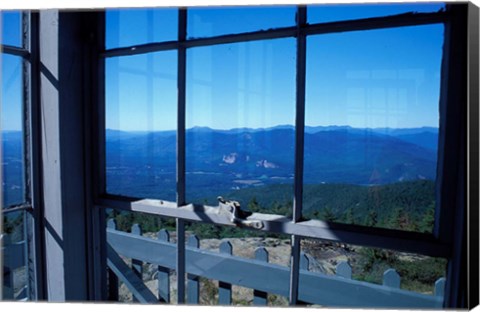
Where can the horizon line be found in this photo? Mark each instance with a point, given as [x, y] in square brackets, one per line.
[277, 126]
[249, 128]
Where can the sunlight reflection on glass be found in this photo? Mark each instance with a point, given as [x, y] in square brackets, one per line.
[129, 27]
[141, 108]
[211, 21]
[372, 118]
[240, 112]
[12, 131]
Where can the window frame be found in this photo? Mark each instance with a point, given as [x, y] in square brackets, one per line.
[448, 205]
[32, 206]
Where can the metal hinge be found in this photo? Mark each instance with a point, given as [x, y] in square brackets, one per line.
[236, 215]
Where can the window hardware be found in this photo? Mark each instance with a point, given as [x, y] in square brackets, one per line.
[236, 215]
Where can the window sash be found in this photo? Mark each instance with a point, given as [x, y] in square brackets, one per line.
[419, 243]
[301, 31]
[426, 244]
[31, 152]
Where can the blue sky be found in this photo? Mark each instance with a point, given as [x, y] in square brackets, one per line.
[11, 70]
[382, 78]
[377, 78]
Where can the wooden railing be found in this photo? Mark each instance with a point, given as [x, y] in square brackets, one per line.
[264, 278]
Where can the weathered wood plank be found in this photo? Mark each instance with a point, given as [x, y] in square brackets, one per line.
[112, 224]
[128, 277]
[344, 270]
[304, 265]
[225, 289]
[440, 287]
[137, 265]
[260, 297]
[193, 288]
[163, 276]
[391, 278]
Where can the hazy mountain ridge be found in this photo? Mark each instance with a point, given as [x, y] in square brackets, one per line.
[144, 163]
[232, 159]
[424, 136]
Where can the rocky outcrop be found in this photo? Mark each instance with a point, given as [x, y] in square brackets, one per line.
[266, 164]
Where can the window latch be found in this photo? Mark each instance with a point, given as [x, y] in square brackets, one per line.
[232, 210]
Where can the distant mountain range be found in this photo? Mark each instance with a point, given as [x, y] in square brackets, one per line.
[424, 136]
[143, 164]
[245, 157]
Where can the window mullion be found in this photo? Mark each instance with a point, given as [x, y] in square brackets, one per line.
[32, 129]
[182, 33]
[300, 116]
[299, 144]
[26, 103]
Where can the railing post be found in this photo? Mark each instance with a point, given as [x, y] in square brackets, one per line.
[260, 297]
[193, 288]
[304, 265]
[137, 265]
[440, 287]
[344, 270]
[225, 289]
[112, 278]
[304, 262]
[163, 276]
[391, 278]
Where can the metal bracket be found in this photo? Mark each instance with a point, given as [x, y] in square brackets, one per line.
[232, 210]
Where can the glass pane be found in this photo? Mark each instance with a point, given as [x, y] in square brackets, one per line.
[340, 12]
[146, 231]
[11, 28]
[359, 271]
[129, 27]
[240, 112]
[14, 265]
[372, 117]
[209, 22]
[208, 243]
[13, 180]
[141, 116]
